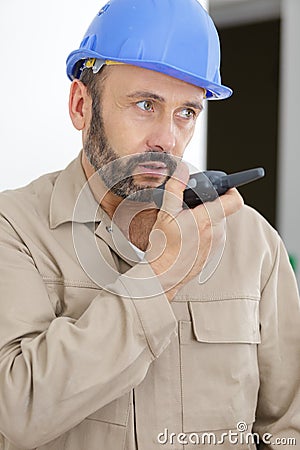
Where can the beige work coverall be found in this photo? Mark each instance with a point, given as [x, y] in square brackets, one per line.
[94, 357]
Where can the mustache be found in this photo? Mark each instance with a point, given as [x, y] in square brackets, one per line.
[130, 161]
[126, 165]
[148, 157]
[153, 155]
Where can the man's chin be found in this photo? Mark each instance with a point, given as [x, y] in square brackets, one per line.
[138, 194]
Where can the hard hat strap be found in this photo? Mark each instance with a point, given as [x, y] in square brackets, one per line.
[108, 62]
[96, 64]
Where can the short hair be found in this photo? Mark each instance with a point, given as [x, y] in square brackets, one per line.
[94, 82]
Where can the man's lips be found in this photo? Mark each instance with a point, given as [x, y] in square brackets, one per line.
[153, 168]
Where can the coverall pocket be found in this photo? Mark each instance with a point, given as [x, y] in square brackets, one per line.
[116, 412]
[219, 371]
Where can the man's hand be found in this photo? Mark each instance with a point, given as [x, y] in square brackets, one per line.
[182, 242]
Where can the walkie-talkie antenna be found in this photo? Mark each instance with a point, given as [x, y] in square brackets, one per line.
[240, 178]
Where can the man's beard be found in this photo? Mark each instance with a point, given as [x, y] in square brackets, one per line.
[116, 172]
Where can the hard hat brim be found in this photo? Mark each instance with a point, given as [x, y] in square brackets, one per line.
[214, 91]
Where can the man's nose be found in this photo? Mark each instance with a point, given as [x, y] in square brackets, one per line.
[162, 136]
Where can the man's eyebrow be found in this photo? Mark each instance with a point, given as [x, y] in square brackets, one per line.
[151, 95]
[146, 94]
[195, 105]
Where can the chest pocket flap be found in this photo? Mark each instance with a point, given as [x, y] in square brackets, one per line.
[226, 321]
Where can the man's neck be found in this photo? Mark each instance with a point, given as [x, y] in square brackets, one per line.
[139, 228]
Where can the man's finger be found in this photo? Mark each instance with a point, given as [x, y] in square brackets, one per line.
[173, 193]
[232, 201]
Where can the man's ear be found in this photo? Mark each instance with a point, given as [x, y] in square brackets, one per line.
[80, 104]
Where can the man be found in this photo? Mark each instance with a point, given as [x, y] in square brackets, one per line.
[125, 327]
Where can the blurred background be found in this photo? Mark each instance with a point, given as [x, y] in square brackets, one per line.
[258, 126]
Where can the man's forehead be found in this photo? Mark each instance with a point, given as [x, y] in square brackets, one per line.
[133, 80]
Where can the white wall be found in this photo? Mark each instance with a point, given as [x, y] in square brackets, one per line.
[197, 149]
[36, 133]
[289, 175]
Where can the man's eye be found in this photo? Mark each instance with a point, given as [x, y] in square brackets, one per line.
[145, 105]
[187, 113]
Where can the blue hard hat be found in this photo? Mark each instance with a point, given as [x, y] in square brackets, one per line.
[174, 37]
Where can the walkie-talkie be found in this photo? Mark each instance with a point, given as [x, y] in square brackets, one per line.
[208, 185]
